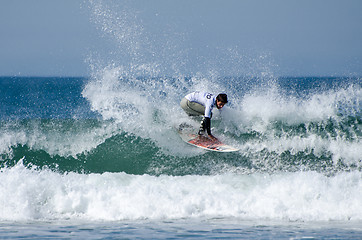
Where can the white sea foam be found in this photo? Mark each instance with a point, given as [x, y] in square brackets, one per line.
[261, 112]
[300, 196]
[268, 105]
[54, 140]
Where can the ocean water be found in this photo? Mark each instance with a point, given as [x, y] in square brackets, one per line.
[99, 157]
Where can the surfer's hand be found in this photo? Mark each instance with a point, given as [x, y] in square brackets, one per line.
[212, 137]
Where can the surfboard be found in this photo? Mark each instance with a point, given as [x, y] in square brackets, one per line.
[204, 142]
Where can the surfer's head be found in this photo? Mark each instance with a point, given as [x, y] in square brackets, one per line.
[221, 100]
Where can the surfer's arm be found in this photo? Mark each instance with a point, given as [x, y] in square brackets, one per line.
[207, 125]
[208, 129]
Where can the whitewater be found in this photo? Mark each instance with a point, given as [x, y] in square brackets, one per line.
[29, 194]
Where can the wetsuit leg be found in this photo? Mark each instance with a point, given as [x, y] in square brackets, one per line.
[192, 108]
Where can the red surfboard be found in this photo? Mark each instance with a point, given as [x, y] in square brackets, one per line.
[206, 143]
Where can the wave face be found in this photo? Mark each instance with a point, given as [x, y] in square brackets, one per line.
[126, 127]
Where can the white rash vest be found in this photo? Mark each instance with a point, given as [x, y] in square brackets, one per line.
[206, 99]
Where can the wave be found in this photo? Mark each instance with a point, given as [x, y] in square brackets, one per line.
[31, 194]
[328, 145]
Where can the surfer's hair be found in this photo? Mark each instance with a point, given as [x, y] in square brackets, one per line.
[222, 97]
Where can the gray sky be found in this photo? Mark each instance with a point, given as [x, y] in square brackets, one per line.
[281, 37]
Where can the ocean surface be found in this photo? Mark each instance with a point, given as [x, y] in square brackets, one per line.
[99, 157]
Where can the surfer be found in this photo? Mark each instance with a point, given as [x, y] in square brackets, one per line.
[202, 103]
